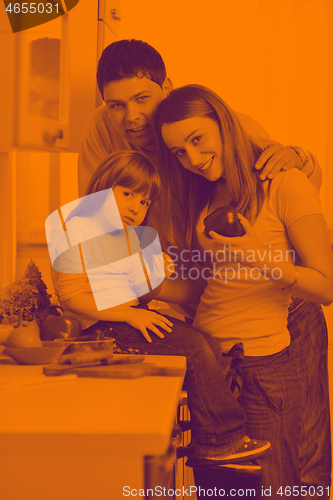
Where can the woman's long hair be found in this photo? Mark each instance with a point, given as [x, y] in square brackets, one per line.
[239, 155]
[127, 168]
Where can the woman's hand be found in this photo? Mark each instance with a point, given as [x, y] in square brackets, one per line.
[242, 248]
[141, 319]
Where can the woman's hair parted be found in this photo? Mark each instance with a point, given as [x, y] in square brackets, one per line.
[127, 168]
[239, 155]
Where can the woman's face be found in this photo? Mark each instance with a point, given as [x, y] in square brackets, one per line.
[197, 144]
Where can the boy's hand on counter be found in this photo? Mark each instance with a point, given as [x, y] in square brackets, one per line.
[141, 319]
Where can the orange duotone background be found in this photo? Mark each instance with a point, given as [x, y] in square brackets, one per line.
[270, 59]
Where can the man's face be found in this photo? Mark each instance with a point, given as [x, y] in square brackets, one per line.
[132, 103]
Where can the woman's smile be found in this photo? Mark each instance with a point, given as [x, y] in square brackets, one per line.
[206, 165]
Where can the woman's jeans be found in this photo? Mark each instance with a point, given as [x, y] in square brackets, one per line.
[286, 399]
[309, 348]
[216, 416]
[271, 400]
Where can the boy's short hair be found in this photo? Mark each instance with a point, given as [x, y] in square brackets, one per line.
[128, 59]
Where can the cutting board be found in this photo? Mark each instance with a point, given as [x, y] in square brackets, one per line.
[125, 371]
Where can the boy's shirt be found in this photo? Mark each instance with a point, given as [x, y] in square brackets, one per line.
[108, 266]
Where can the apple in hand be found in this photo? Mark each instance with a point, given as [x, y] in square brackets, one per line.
[224, 221]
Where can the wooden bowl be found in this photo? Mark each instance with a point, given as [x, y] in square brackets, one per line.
[37, 355]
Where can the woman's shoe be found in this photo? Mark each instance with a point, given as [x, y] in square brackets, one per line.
[242, 450]
[243, 469]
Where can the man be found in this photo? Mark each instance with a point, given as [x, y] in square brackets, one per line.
[132, 80]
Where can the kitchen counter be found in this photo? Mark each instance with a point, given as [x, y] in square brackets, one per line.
[90, 434]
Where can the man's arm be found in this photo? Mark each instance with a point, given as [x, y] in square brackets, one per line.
[276, 157]
[99, 140]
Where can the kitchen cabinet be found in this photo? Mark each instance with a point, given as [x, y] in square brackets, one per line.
[43, 135]
[85, 438]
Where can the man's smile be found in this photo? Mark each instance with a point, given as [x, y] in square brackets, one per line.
[137, 129]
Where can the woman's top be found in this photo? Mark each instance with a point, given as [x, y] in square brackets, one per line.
[103, 266]
[239, 304]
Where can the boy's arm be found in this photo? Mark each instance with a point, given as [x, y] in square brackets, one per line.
[141, 319]
[276, 157]
[84, 304]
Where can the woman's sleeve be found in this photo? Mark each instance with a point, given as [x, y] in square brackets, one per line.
[293, 196]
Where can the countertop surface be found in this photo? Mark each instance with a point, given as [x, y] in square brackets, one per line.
[87, 415]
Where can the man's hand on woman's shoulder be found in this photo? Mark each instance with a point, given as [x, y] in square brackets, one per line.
[275, 158]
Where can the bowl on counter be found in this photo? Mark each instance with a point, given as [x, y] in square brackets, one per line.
[5, 331]
[48, 353]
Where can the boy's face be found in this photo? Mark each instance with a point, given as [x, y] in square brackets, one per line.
[132, 103]
[132, 205]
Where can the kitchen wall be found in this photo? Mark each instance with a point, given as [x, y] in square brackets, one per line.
[44, 182]
[271, 59]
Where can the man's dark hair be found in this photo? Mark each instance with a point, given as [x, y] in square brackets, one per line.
[128, 59]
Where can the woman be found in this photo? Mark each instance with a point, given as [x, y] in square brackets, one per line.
[248, 293]
[112, 278]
